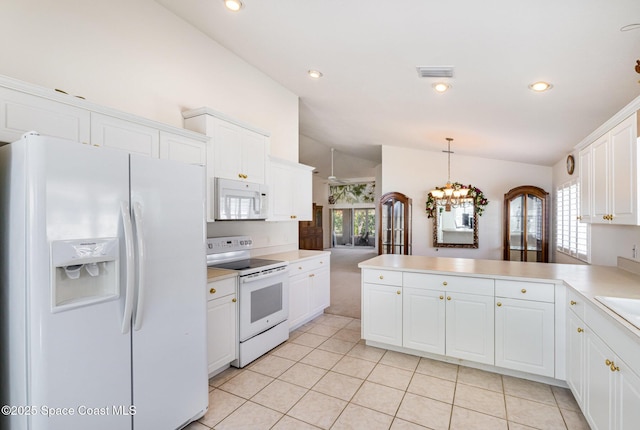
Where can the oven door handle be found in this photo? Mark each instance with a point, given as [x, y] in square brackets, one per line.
[249, 279]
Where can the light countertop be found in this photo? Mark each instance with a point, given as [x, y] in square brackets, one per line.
[219, 274]
[588, 280]
[295, 255]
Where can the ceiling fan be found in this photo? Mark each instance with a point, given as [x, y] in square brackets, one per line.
[333, 178]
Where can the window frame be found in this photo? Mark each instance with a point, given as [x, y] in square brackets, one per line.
[573, 238]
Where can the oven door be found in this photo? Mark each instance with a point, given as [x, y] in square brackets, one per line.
[264, 303]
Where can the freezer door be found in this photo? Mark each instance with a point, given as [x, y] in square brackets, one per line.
[170, 386]
[78, 358]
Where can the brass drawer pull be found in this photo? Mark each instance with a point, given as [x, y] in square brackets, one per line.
[448, 297]
[580, 329]
[234, 300]
[441, 297]
[573, 302]
[444, 283]
[499, 304]
[212, 291]
[381, 277]
[398, 292]
[523, 291]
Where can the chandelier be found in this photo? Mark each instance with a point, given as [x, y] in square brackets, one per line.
[451, 196]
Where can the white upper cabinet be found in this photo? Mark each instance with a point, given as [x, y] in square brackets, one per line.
[239, 151]
[181, 148]
[21, 112]
[290, 188]
[608, 176]
[124, 135]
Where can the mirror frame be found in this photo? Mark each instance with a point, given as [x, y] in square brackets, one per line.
[437, 244]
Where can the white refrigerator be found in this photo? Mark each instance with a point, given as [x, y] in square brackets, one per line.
[102, 296]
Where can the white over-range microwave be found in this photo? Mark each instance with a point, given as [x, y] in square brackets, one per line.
[240, 200]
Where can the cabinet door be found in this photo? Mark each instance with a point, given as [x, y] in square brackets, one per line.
[586, 185]
[281, 188]
[600, 181]
[320, 295]
[222, 335]
[524, 336]
[600, 383]
[227, 143]
[299, 290]
[423, 320]
[127, 136]
[470, 327]
[575, 357]
[382, 313]
[623, 159]
[302, 200]
[180, 148]
[628, 398]
[254, 156]
[21, 112]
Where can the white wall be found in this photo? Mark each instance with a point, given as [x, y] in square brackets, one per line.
[415, 172]
[137, 57]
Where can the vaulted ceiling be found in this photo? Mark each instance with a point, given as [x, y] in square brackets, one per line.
[371, 95]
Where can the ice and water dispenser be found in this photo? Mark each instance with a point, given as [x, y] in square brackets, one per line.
[85, 272]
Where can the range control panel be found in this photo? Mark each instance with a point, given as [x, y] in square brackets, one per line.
[217, 245]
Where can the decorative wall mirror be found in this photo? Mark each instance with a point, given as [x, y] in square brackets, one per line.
[455, 218]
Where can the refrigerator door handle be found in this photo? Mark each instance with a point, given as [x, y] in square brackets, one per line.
[128, 241]
[137, 219]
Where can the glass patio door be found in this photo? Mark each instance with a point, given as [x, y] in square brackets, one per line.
[353, 227]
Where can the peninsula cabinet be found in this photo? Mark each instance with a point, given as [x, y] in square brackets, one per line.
[602, 366]
[608, 176]
[382, 306]
[525, 315]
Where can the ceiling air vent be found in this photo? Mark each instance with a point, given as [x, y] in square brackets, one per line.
[435, 71]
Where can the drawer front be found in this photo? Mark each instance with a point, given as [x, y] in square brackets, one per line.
[536, 291]
[221, 288]
[459, 284]
[576, 302]
[386, 277]
[297, 267]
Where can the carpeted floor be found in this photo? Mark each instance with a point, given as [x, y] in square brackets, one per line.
[345, 280]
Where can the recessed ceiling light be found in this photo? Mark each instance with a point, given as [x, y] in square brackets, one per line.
[441, 87]
[233, 5]
[315, 74]
[540, 86]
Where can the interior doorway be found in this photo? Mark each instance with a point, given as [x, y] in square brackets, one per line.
[353, 227]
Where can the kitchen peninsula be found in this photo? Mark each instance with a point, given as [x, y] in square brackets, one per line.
[538, 321]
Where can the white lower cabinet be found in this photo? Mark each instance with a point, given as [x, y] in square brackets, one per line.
[470, 327]
[222, 324]
[525, 327]
[606, 388]
[423, 320]
[309, 289]
[382, 305]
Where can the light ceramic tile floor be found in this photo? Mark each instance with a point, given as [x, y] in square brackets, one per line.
[325, 377]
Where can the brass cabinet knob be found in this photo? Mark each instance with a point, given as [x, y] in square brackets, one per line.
[299, 267]
[573, 302]
[499, 304]
[608, 362]
[212, 290]
[580, 329]
[240, 175]
[614, 368]
[381, 277]
[311, 275]
[523, 291]
[448, 297]
[234, 300]
[444, 283]
[441, 297]
[398, 292]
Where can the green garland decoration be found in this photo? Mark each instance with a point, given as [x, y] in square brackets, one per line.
[479, 199]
